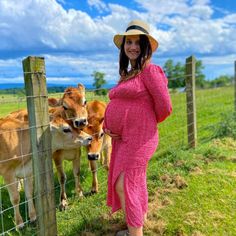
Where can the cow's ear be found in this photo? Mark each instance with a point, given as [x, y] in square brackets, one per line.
[81, 87]
[54, 102]
[101, 120]
[53, 128]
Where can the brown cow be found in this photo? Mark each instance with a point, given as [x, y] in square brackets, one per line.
[100, 147]
[72, 106]
[21, 114]
[100, 143]
[15, 156]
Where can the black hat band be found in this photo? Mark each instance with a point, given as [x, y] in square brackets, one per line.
[137, 28]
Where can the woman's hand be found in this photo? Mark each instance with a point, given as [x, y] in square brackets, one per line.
[114, 136]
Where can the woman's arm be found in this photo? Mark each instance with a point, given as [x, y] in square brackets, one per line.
[156, 83]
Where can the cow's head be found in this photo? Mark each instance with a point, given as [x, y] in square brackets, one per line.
[94, 128]
[73, 103]
[65, 136]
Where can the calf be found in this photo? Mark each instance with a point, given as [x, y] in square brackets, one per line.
[100, 147]
[100, 143]
[71, 107]
[16, 160]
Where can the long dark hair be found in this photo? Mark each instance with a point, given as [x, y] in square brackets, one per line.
[145, 55]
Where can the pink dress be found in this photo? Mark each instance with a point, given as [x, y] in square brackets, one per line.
[135, 108]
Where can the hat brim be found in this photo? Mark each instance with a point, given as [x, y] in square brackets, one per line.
[118, 39]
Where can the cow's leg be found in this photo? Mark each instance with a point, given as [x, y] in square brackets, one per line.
[101, 158]
[62, 180]
[12, 187]
[93, 165]
[107, 156]
[76, 172]
[28, 184]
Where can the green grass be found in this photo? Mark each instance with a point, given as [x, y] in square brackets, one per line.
[205, 207]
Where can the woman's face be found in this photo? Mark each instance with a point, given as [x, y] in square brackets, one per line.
[132, 47]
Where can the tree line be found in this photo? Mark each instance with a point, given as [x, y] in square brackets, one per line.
[175, 73]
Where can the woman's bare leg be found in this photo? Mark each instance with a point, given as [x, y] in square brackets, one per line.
[120, 190]
[133, 231]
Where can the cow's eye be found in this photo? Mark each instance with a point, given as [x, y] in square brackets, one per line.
[101, 135]
[65, 108]
[66, 130]
[85, 102]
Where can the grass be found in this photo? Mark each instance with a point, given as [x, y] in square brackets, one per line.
[191, 192]
[205, 201]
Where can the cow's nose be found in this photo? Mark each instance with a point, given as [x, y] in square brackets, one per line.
[93, 157]
[81, 122]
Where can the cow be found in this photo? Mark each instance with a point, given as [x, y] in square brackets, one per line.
[21, 114]
[100, 143]
[100, 147]
[72, 107]
[16, 159]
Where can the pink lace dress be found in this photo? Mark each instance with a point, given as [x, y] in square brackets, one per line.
[135, 108]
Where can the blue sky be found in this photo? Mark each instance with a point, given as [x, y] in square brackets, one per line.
[75, 36]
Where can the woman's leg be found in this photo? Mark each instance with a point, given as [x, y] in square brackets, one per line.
[133, 231]
[120, 190]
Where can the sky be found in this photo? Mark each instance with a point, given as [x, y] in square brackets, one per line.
[76, 36]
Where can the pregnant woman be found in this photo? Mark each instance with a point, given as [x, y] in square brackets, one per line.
[138, 102]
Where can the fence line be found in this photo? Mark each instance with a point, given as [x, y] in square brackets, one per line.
[164, 143]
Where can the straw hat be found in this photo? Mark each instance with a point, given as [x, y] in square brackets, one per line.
[136, 27]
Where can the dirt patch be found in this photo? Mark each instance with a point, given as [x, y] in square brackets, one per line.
[156, 227]
[196, 171]
[233, 159]
[191, 218]
[179, 163]
[166, 201]
[166, 179]
[216, 215]
[174, 181]
[228, 143]
[179, 182]
[197, 233]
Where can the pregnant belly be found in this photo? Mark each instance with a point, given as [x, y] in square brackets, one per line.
[115, 117]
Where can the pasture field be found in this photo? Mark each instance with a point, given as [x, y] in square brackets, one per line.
[191, 191]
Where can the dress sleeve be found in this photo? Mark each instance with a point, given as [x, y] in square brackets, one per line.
[156, 83]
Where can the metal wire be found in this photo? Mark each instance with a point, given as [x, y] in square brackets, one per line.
[181, 131]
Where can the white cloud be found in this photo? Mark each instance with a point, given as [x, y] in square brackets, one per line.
[98, 4]
[45, 25]
[84, 44]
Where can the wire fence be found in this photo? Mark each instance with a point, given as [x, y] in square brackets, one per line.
[206, 112]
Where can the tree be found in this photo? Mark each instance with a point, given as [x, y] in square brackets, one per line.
[179, 75]
[99, 81]
[174, 73]
[223, 80]
[200, 77]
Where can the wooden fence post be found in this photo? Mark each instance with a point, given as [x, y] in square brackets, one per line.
[37, 105]
[191, 105]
